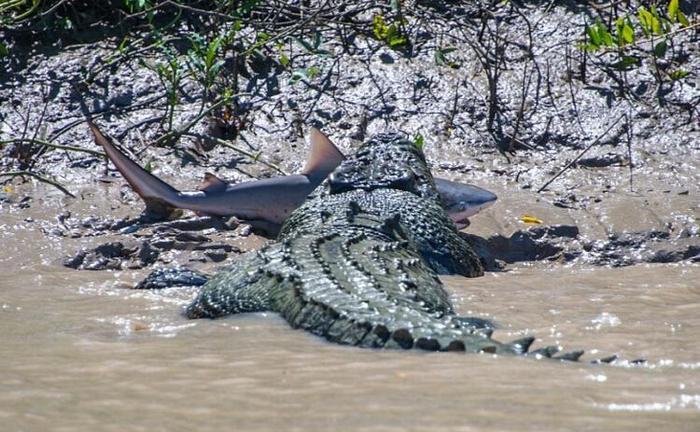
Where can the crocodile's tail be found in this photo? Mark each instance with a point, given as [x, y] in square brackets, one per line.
[362, 288]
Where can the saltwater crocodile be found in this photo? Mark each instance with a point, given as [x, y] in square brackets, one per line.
[358, 262]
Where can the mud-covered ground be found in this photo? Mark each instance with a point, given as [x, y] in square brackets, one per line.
[630, 197]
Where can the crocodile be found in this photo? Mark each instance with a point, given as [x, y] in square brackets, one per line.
[358, 263]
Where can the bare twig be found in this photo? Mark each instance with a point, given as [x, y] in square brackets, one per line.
[596, 141]
[52, 145]
[38, 177]
[175, 134]
[629, 148]
[254, 157]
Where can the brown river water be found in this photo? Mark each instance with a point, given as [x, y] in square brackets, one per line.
[80, 352]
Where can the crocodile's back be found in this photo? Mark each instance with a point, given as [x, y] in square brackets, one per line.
[420, 221]
[362, 287]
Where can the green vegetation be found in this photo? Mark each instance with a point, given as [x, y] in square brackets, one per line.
[647, 34]
[216, 63]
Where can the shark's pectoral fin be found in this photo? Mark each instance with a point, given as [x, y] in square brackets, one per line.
[158, 210]
[212, 184]
[270, 229]
[324, 156]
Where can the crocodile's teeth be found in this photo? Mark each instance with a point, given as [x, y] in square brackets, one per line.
[456, 345]
[522, 345]
[428, 344]
[491, 349]
[570, 356]
[403, 338]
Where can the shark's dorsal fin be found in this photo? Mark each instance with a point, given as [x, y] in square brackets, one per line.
[324, 156]
[212, 183]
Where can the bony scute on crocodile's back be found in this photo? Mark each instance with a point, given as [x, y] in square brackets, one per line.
[358, 263]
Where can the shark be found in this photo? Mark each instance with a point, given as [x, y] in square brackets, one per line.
[266, 203]
[462, 200]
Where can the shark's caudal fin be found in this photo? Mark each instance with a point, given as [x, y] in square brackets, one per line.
[324, 156]
[158, 195]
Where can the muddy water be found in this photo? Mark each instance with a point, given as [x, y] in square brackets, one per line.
[78, 351]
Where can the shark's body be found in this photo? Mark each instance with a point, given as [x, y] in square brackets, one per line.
[269, 202]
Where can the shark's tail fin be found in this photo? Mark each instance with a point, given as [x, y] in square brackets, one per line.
[160, 197]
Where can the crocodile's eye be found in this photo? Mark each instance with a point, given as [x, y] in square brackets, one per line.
[397, 177]
[344, 177]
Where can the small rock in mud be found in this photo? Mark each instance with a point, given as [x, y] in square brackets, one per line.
[545, 242]
[172, 277]
[600, 161]
[114, 256]
[216, 255]
[198, 224]
[623, 249]
[191, 237]
[561, 242]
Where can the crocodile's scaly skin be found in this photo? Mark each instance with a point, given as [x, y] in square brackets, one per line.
[358, 262]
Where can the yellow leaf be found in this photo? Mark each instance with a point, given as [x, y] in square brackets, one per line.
[7, 189]
[530, 219]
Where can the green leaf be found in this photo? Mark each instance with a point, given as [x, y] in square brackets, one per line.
[656, 22]
[678, 74]
[263, 37]
[600, 35]
[673, 10]
[587, 47]
[149, 166]
[419, 141]
[379, 28]
[394, 37]
[390, 34]
[307, 46]
[645, 20]
[593, 35]
[660, 49]
[628, 33]
[683, 19]
[305, 74]
[4, 51]
[626, 62]
[625, 32]
[441, 59]
[313, 72]
[284, 60]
